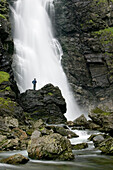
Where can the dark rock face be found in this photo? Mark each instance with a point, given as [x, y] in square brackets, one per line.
[46, 103]
[6, 42]
[85, 31]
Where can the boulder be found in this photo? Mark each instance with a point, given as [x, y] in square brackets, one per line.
[106, 146]
[15, 159]
[79, 146]
[103, 119]
[80, 121]
[65, 132]
[11, 122]
[97, 140]
[70, 123]
[46, 103]
[50, 147]
[93, 126]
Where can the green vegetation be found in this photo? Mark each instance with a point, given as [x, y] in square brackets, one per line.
[105, 38]
[102, 1]
[50, 94]
[98, 110]
[2, 16]
[4, 76]
[6, 105]
[104, 31]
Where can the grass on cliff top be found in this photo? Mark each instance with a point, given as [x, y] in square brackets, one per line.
[98, 110]
[4, 76]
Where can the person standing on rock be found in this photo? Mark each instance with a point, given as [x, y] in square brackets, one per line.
[34, 84]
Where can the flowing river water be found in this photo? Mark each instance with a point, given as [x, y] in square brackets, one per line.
[85, 159]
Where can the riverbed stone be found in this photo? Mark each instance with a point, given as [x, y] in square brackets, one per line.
[50, 147]
[98, 139]
[11, 122]
[65, 132]
[15, 159]
[79, 146]
[80, 121]
[106, 146]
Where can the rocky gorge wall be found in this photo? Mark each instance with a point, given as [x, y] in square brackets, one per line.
[85, 31]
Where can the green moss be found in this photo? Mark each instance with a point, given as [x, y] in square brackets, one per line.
[104, 31]
[29, 132]
[98, 110]
[50, 94]
[2, 16]
[6, 105]
[4, 76]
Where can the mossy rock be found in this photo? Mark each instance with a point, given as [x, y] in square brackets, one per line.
[4, 76]
[15, 159]
[11, 108]
[107, 146]
[80, 146]
[99, 111]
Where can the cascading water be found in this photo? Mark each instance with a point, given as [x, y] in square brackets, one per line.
[38, 53]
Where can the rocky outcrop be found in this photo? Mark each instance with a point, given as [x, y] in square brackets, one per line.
[46, 103]
[85, 31]
[50, 147]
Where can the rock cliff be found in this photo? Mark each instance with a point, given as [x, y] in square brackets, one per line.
[85, 31]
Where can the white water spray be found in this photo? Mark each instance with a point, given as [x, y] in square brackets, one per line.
[38, 53]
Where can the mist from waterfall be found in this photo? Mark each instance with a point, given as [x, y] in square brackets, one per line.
[37, 53]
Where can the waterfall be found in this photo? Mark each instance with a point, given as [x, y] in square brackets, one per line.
[37, 53]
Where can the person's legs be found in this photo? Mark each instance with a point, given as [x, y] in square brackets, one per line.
[34, 87]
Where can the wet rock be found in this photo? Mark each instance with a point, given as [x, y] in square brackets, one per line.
[39, 124]
[11, 122]
[15, 159]
[80, 121]
[46, 103]
[36, 134]
[50, 147]
[70, 123]
[97, 140]
[65, 132]
[79, 146]
[9, 144]
[93, 126]
[19, 133]
[106, 146]
[102, 118]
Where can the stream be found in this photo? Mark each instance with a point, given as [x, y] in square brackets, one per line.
[85, 159]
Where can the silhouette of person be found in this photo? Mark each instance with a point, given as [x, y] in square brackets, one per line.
[34, 84]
